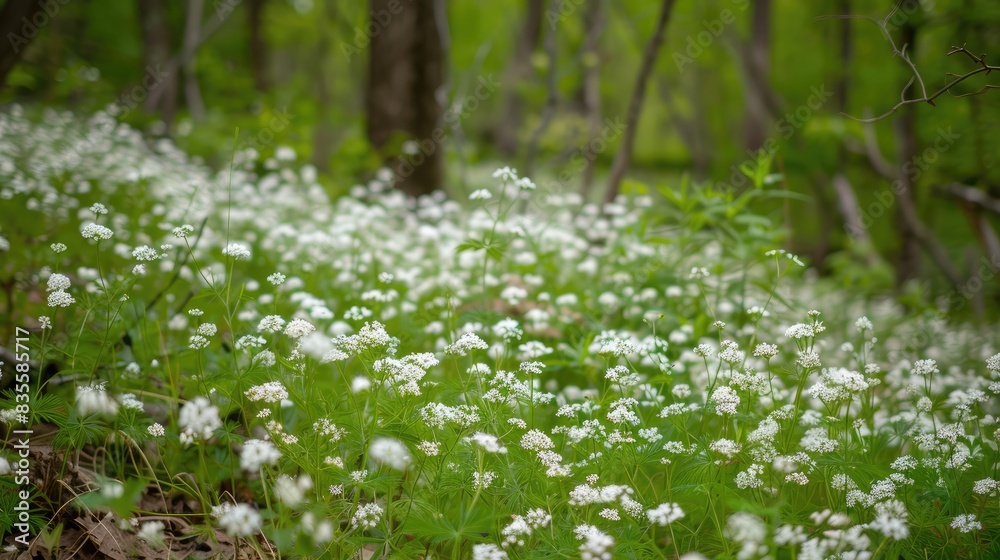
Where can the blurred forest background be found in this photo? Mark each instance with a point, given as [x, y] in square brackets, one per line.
[587, 96]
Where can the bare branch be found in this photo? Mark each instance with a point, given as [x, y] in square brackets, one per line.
[925, 97]
[973, 196]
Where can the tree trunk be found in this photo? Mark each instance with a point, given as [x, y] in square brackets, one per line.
[517, 73]
[594, 24]
[908, 262]
[551, 96]
[322, 131]
[624, 155]
[847, 201]
[258, 45]
[758, 69]
[162, 97]
[12, 31]
[404, 74]
[192, 37]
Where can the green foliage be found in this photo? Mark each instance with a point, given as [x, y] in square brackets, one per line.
[323, 377]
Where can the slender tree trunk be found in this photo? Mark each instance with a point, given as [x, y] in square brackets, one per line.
[404, 74]
[847, 201]
[258, 45]
[322, 132]
[192, 37]
[758, 69]
[162, 98]
[13, 40]
[551, 96]
[594, 24]
[693, 130]
[624, 155]
[908, 263]
[846, 40]
[517, 73]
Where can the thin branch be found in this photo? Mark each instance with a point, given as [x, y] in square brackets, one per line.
[624, 154]
[930, 99]
[917, 78]
[973, 196]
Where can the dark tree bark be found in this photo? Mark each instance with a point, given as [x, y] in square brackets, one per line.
[404, 74]
[192, 37]
[624, 155]
[162, 97]
[758, 70]
[258, 45]
[594, 23]
[693, 129]
[13, 39]
[846, 39]
[322, 131]
[517, 73]
[908, 262]
[847, 201]
[551, 96]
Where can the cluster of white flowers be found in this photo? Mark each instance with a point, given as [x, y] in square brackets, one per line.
[389, 452]
[536, 440]
[488, 442]
[726, 400]
[370, 337]
[291, 491]
[665, 514]
[271, 324]
[367, 516]
[257, 453]
[638, 404]
[94, 399]
[198, 420]
[238, 520]
[57, 286]
[270, 392]
[596, 545]
[152, 533]
[298, 328]
[237, 251]
[405, 374]
[966, 523]
[436, 415]
[96, 232]
[488, 552]
[520, 528]
[465, 344]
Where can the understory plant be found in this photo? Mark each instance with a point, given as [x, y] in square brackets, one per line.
[240, 360]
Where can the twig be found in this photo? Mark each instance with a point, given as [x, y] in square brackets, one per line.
[900, 52]
[973, 196]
